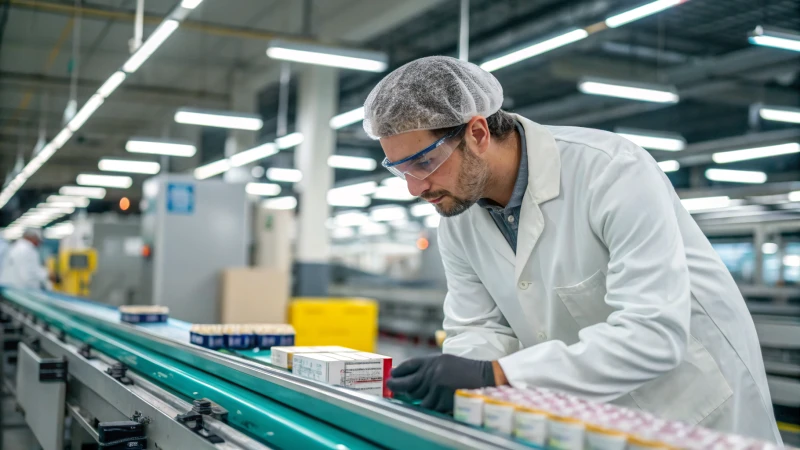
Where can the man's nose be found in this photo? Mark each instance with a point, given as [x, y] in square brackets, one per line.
[415, 186]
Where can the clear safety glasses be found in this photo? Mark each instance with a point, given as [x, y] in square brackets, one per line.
[422, 164]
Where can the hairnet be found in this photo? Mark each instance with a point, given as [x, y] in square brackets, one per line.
[430, 93]
[32, 233]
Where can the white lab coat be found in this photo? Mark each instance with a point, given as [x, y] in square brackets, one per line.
[22, 267]
[614, 293]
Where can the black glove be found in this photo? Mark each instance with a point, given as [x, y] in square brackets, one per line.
[434, 379]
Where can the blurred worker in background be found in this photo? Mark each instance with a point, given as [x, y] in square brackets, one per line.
[22, 266]
[571, 263]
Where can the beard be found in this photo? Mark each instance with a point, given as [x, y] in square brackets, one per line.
[473, 176]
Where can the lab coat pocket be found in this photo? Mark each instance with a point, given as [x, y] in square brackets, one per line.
[585, 301]
[689, 392]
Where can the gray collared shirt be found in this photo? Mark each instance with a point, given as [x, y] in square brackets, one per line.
[507, 219]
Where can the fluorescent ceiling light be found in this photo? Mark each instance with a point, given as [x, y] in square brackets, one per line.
[263, 189]
[388, 214]
[640, 12]
[350, 219]
[705, 203]
[55, 205]
[219, 119]
[149, 47]
[373, 229]
[111, 84]
[769, 248]
[347, 118]
[61, 138]
[348, 199]
[794, 196]
[211, 169]
[109, 181]
[393, 193]
[423, 209]
[755, 153]
[632, 91]
[190, 4]
[82, 191]
[770, 37]
[284, 175]
[160, 147]
[433, 221]
[253, 155]
[791, 115]
[533, 50]
[736, 176]
[289, 141]
[352, 163]
[365, 188]
[79, 202]
[669, 166]
[122, 165]
[670, 142]
[791, 260]
[280, 203]
[343, 233]
[85, 112]
[328, 56]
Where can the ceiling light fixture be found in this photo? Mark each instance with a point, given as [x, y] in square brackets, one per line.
[219, 119]
[211, 169]
[344, 58]
[289, 141]
[654, 140]
[640, 12]
[190, 4]
[262, 189]
[423, 209]
[773, 37]
[83, 191]
[755, 153]
[791, 115]
[769, 248]
[794, 196]
[253, 155]
[352, 163]
[736, 176]
[78, 202]
[634, 91]
[160, 147]
[152, 44]
[349, 199]
[705, 203]
[111, 84]
[122, 165]
[280, 203]
[85, 112]
[348, 118]
[108, 181]
[388, 214]
[533, 50]
[669, 166]
[284, 175]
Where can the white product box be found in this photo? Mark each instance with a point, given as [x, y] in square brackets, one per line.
[357, 371]
[282, 356]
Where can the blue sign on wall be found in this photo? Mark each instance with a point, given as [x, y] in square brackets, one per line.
[180, 198]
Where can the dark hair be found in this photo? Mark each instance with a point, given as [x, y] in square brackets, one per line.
[501, 125]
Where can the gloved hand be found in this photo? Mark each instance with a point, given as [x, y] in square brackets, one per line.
[434, 379]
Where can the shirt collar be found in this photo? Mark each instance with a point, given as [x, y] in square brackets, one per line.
[522, 179]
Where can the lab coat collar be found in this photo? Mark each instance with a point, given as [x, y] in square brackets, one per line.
[544, 183]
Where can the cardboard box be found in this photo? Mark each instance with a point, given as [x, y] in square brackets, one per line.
[283, 356]
[254, 295]
[357, 371]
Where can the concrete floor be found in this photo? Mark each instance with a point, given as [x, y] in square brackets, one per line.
[16, 436]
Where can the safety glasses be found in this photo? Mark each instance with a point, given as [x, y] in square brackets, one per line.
[422, 164]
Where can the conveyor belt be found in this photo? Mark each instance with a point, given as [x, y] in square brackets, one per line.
[269, 404]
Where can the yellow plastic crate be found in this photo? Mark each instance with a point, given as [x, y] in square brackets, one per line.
[347, 322]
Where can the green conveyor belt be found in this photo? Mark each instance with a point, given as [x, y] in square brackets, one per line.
[251, 413]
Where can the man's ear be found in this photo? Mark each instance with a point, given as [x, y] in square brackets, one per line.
[477, 134]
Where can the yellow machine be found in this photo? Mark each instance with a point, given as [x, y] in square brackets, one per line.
[73, 271]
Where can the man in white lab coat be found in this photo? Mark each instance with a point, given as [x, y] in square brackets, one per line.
[22, 266]
[571, 263]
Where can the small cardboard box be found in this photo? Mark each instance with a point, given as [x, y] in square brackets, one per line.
[363, 372]
[282, 356]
